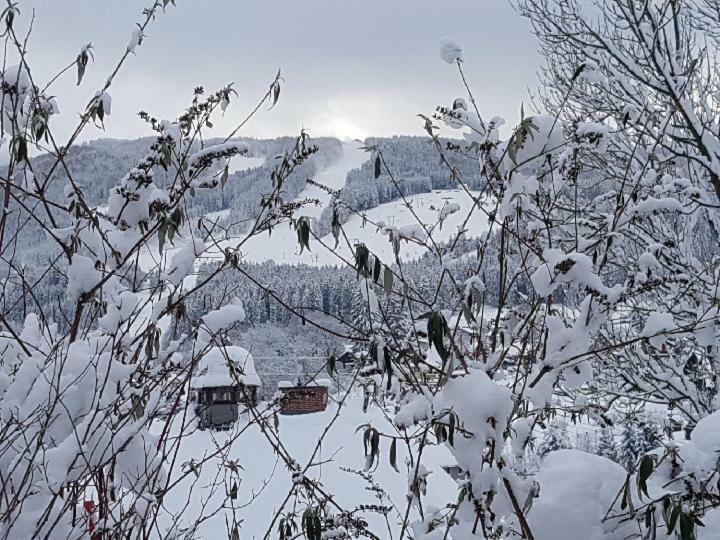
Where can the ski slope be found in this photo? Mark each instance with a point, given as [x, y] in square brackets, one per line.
[266, 481]
[244, 163]
[150, 257]
[282, 246]
[426, 208]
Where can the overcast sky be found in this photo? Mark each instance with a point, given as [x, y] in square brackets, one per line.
[352, 68]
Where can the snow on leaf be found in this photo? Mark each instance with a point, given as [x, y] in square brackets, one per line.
[450, 51]
[658, 323]
[183, 260]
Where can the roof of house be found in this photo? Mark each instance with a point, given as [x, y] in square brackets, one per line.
[325, 383]
[214, 368]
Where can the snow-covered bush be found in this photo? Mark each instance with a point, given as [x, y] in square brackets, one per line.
[592, 289]
[605, 202]
[88, 408]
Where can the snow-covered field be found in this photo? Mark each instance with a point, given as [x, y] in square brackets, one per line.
[282, 245]
[426, 206]
[244, 163]
[150, 257]
[266, 480]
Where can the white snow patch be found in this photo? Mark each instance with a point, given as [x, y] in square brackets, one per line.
[576, 491]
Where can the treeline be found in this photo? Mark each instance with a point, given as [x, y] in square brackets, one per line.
[336, 290]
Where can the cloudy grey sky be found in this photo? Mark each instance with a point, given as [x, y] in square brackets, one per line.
[352, 68]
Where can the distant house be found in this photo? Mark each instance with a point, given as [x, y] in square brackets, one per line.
[348, 359]
[226, 379]
[455, 472]
[303, 398]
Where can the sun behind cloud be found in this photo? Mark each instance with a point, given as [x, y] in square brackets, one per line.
[343, 127]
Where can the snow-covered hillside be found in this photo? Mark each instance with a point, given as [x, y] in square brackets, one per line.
[150, 257]
[428, 208]
[281, 245]
[244, 163]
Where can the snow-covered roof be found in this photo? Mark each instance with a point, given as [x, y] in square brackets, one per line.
[313, 384]
[214, 368]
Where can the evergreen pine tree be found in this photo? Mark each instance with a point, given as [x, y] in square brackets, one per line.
[396, 321]
[606, 446]
[359, 313]
[585, 443]
[630, 446]
[649, 438]
[556, 438]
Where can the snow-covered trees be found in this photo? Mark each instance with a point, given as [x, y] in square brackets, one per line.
[554, 438]
[606, 445]
[598, 202]
[416, 170]
[630, 447]
[85, 449]
[593, 288]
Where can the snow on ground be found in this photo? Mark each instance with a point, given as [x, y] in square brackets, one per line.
[428, 207]
[333, 177]
[150, 257]
[219, 215]
[282, 245]
[266, 478]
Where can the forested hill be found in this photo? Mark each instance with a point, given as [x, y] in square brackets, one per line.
[101, 163]
[97, 166]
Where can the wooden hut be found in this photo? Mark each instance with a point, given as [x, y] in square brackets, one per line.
[226, 379]
[348, 359]
[303, 398]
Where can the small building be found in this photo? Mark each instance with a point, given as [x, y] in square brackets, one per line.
[455, 472]
[303, 398]
[226, 379]
[348, 359]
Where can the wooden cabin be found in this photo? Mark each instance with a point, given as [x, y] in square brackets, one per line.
[226, 380]
[303, 398]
